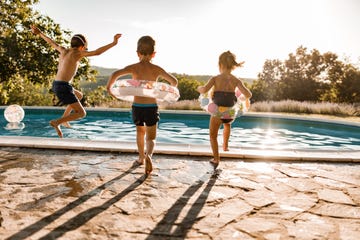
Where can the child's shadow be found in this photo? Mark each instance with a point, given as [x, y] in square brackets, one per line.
[81, 218]
[163, 228]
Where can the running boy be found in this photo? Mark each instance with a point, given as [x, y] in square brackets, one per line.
[68, 63]
[145, 112]
[223, 95]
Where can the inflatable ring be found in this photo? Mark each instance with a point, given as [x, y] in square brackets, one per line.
[126, 89]
[241, 106]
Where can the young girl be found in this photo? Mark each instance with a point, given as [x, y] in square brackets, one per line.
[223, 86]
[144, 109]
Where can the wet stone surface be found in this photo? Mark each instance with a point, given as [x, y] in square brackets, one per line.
[57, 194]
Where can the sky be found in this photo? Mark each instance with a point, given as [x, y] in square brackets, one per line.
[191, 34]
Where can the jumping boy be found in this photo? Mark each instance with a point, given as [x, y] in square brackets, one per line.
[69, 60]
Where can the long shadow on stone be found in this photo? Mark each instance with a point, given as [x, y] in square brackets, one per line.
[163, 229]
[90, 213]
[37, 226]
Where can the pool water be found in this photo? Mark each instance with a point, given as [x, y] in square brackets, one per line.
[192, 128]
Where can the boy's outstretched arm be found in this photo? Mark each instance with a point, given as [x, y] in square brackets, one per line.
[103, 48]
[52, 43]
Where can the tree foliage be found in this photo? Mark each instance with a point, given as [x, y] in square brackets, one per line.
[308, 76]
[187, 88]
[28, 66]
[266, 86]
[26, 61]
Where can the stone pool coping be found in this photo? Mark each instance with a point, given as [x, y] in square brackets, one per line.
[183, 149]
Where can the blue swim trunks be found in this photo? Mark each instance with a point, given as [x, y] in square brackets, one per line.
[64, 91]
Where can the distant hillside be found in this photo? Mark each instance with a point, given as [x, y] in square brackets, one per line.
[200, 78]
[101, 78]
[205, 78]
[104, 73]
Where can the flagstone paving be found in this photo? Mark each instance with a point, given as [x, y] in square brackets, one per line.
[63, 194]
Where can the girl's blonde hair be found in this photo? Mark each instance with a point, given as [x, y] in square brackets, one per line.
[228, 60]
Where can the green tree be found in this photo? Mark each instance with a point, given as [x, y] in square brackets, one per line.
[331, 77]
[300, 79]
[26, 61]
[187, 88]
[348, 88]
[97, 97]
[308, 76]
[266, 87]
[343, 80]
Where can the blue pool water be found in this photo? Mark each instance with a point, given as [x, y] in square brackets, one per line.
[192, 128]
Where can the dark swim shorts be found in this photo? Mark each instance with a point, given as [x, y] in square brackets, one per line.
[64, 91]
[227, 120]
[145, 114]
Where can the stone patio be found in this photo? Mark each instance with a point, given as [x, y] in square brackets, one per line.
[73, 194]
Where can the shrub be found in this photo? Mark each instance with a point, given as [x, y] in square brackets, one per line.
[291, 106]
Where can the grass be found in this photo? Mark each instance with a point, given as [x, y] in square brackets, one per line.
[286, 106]
[322, 108]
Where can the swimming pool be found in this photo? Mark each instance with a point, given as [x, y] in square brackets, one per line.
[249, 131]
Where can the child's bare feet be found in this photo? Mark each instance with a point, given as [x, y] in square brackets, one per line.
[214, 163]
[57, 128]
[139, 162]
[226, 148]
[148, 165]
[66, 124]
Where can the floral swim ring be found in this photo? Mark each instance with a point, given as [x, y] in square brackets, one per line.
[241, 106]
[126, 89]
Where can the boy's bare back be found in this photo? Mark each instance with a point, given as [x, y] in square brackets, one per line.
[145, 71]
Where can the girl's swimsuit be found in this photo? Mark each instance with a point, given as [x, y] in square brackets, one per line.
[224, 99]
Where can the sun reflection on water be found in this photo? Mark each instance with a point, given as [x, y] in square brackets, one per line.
[176, 128]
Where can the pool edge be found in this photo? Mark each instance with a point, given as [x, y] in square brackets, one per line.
[181, 149]
[201, 112]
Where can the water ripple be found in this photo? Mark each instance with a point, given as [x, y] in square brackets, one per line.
[246, 132]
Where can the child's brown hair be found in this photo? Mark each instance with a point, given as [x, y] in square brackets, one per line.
[78, 40]
[146, 45]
